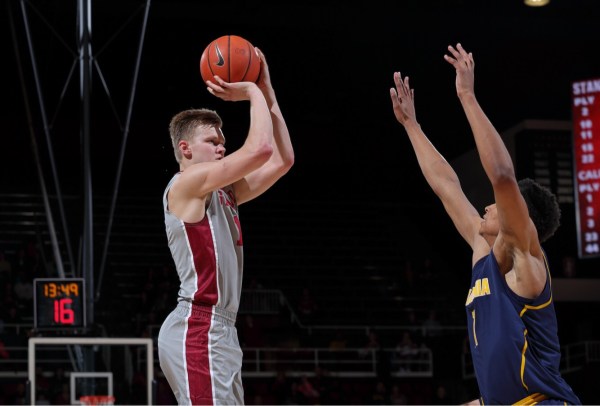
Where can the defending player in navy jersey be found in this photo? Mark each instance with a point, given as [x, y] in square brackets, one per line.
[198, 346]
[512, 324]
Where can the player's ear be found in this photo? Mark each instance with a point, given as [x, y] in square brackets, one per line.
[184, 147]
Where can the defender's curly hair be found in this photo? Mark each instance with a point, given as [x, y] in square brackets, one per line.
[543, 207]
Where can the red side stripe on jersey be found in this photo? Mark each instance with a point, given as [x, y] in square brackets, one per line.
[198, 362]
[201, 243]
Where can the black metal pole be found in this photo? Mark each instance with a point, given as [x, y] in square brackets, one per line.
[85, 71]
[84, 16]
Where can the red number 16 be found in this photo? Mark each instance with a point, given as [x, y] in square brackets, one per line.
[63, 314]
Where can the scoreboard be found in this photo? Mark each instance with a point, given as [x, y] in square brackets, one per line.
[59, 303]
[585, 96]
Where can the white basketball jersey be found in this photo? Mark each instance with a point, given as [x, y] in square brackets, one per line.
[208, 255]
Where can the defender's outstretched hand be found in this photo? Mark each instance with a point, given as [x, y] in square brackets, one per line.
[403, 99]
[464, 64]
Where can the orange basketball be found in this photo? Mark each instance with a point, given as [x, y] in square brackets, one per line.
[232, 58]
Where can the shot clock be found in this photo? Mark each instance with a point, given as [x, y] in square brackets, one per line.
[59, 303]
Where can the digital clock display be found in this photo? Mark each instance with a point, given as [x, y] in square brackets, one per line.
[59, 302]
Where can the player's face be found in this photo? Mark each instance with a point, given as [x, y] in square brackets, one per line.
[489, 224]
[207, 145]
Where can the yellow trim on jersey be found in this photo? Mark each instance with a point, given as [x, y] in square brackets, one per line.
[474, 331]
[531, 399]
[523, 360]
[529, 307]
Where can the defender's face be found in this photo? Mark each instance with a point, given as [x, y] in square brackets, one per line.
[489, 224]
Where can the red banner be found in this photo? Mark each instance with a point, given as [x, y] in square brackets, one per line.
[586, 144]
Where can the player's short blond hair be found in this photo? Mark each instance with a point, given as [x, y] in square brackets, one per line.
[183, 124]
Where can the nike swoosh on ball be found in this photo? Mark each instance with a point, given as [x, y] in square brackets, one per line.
[221, 60]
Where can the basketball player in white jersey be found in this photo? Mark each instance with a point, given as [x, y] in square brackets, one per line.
[199, 351]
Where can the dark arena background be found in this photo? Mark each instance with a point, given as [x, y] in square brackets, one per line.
[355, 280]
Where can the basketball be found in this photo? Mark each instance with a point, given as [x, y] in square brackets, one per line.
[232, 58]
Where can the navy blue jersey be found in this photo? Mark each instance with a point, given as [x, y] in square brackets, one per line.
[514, 341]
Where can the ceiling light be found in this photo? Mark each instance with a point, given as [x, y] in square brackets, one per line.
[536, 3]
